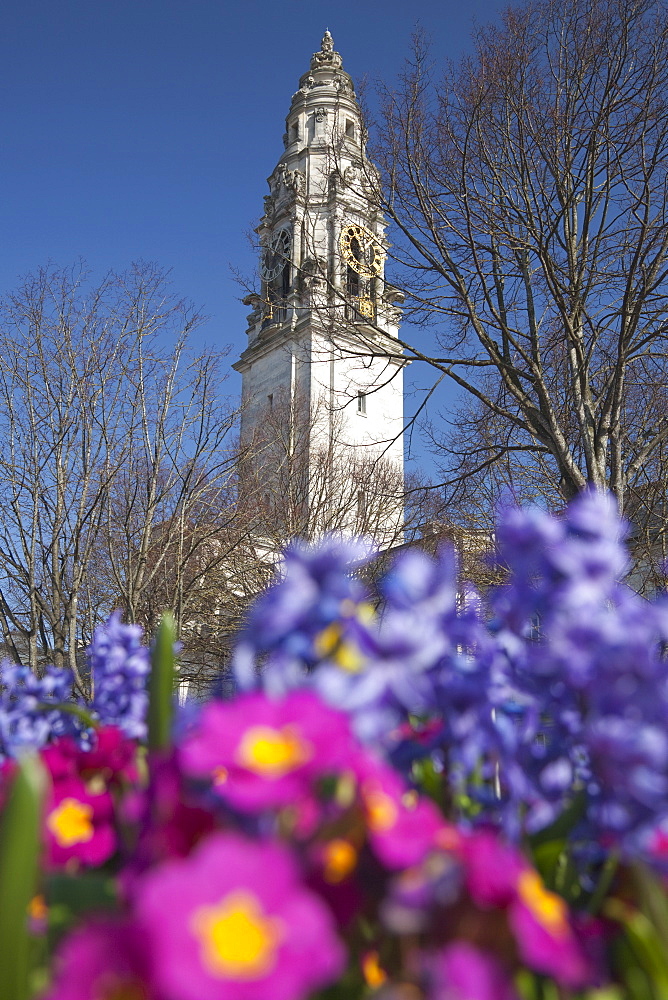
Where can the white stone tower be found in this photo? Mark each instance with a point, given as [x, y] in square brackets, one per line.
[323, 372]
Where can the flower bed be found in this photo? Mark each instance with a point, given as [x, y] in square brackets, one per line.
[411, 794]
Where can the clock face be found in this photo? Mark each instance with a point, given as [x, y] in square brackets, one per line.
[361, 250]
[275, 255]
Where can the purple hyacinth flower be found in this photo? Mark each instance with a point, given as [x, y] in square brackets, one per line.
[120, 665]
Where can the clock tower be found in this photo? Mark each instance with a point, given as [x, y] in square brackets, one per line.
[322, 393]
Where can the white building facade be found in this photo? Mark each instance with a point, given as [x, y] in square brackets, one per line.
[323, 371]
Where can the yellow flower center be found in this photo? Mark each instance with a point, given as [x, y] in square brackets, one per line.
[237, 940]
[549, 909]
[273, 752]
[364, 612]
[410, 799]
[340, 858]
[37, 908]
[71, 822]
[344, 653]
[374, 976]
[381, 810]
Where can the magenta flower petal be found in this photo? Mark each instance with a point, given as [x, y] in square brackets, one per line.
[492, 869]
[545, 939]
[263, 753]
[233, 922]
[463, 972]
[103, 960]
[403, 826]
[112, 754]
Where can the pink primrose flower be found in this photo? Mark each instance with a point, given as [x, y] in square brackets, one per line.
[112, 755]
[403, 826]
[60, 758]
[263, 753]
[462, 972]
[8, 770]
[168, 820]
[233, 922]
[492, 869]
[103, 960]
[545, 939]
[498, 876]
[78, 825]
[111, 758]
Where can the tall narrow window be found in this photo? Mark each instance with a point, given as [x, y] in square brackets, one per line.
[350, 129]
[285, 280]
[352, 283]
[361, 403]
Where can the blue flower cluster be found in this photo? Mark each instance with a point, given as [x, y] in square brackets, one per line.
[555, 691]
[313, 605]
[31, 707]
[589, 664]
[119, 666]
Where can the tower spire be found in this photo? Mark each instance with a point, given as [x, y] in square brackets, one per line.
[322, 336]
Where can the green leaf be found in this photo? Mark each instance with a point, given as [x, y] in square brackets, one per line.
[161, 686]
[606, 877]
[20, 847]
[70, 898]
[70, 709]
[652, 899]
[605, 993]
[429, 779]
[547, 857]
[646, 961]
[563, 824]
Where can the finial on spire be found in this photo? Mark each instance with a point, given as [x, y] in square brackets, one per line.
[326, 57]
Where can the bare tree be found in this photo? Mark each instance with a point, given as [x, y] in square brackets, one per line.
[529, 194]
[98, 400]
[193, 551]
[176, 492]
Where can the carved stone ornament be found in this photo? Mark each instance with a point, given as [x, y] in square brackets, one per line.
[361, 179]
[292, 180]
[321, 114]
[269, 206]
[307, 85]
[326, 56]
[296, 181]
[343, 84]
[355, 178]
[314, 266]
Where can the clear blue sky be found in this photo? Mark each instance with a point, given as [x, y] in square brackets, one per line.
[145, 129]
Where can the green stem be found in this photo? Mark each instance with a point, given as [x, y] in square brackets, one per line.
[161, 686]
[605, 881]
[71, 709]
[20, 830]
